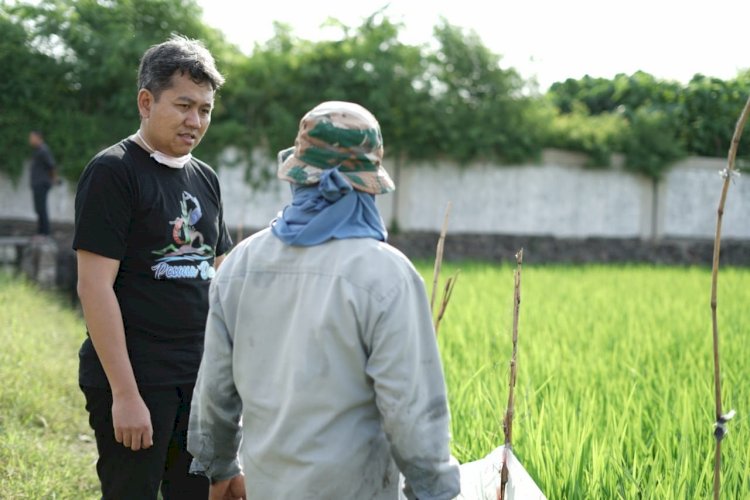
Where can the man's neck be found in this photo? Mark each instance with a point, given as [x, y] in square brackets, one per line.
[139, 139]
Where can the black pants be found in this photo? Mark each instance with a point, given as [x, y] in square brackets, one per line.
[125, 474]
[40, 207]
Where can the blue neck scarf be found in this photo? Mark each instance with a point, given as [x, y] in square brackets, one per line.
[331, 209]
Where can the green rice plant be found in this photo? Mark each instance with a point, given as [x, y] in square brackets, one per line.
[614, 391]
[46, 448]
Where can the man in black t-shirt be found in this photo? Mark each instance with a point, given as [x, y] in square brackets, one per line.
[149, 235]
[42, 176]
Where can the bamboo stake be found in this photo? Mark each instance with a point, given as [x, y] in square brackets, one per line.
[720, 418]
[241, 225]
[447, 292]
[439, 257]
[508, 420]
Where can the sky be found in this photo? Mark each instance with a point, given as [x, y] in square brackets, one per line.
[543, 39]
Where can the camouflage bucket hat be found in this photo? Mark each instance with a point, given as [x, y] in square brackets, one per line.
[337, 134]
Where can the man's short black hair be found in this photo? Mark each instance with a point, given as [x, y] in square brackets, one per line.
[190, 57]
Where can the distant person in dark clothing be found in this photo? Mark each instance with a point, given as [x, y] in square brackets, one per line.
[43, 176]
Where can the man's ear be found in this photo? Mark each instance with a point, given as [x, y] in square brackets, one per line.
[145, 101]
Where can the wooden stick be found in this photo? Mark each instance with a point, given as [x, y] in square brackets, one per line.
[447, 292]
[241, 226]
[508, 420]
[439, 257]
[730, 170]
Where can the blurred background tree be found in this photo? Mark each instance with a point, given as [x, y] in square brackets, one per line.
[77, 79]
[74, 66]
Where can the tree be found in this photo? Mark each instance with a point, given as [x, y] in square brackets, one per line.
[624, 93]
[454, 102]
[480, 108]
[82, 57]
[75, 64]
[285, 77]
[30, 91]
[709, 113]
[637, 115]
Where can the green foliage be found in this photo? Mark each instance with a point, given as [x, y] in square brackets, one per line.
[286, 77]
[652, 142]
[454, 102]
[598, 136]
[666, 120]
[31, 95]
[480, 110]
[709, 111]
[75, 65]
[623, 93]
[78, 79]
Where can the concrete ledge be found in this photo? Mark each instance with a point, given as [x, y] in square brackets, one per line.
[485, 247]
[11, 250]
[549, 250]
[39, 261]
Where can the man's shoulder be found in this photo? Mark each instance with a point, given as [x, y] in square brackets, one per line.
[117, 154]
[113, 164]
[371, 263]
[242, 255]
[338, 256]
[203, 167]
[376, 251]
[373, 266]
[256, 242]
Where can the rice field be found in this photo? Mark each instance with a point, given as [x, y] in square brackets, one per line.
[614, 394]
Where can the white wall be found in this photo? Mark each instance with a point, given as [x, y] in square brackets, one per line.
[553, 199]
[689, 199]
[250, 208]
[558, 198]
[16, 201]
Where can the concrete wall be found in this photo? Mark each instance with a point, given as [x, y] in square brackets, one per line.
[689, 198]
[16, 201]
[558, 198]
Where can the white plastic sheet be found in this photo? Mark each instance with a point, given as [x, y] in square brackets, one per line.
[480, 480]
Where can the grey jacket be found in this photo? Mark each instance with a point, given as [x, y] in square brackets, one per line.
[322, 362]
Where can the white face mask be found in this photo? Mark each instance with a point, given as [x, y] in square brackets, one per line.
[165, 159]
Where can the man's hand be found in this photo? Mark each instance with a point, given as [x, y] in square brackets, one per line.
[132, 422]
[229, 489]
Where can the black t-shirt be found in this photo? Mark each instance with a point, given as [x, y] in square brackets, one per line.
[165, 226]
[42, 165]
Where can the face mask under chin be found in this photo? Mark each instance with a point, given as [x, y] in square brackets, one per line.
[165, 159]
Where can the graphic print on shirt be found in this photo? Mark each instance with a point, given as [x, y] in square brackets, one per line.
[187, 246]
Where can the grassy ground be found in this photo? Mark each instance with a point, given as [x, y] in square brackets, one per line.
[614, 386]
[45, 443]
[614, 392]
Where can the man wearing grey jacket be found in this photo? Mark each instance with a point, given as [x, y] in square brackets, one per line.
[320, 356]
